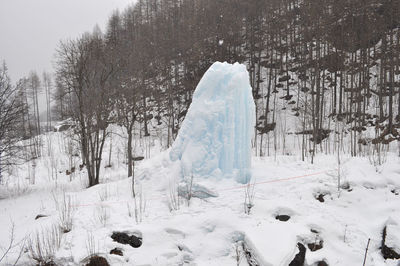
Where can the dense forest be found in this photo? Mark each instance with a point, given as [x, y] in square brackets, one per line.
[329, 67]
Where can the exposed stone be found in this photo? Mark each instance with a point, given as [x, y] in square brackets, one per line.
[49, 263]
[322, 263]
[117, 251]
[388, 252]
[124, 238]
[317, 245]
[97, 261]
[40, 216]
[251, 260]
[283, 217]
[320, 196]
[300, 257]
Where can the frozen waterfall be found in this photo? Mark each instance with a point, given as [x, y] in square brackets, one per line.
[215, 137]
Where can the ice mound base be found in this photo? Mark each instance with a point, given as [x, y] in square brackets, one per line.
[215, 137]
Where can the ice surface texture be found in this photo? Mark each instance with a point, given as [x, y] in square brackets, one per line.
[215, 137]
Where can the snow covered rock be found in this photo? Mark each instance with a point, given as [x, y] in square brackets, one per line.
[196, 191]
[64, 125]
[391, 241]
[215, 137]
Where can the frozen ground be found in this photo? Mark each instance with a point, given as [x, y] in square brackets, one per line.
[209, 231]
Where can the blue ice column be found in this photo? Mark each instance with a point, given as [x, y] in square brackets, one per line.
[215, 137]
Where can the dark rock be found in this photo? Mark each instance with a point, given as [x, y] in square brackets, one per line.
[40, 216]
[316, 245]
[251, 260]
[282, 218]
[388, 252]
[314, 231]
[97, 261]
[117, 251]
[48, 263]
[320, 198]
[300, 257]
[322, 263]
[124, 238]
[394, 191]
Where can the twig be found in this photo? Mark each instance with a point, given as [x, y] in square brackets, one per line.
[366, 251]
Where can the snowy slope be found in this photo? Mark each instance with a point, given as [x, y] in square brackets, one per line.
[208, 231]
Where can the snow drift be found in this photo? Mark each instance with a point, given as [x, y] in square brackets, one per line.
[215, 137]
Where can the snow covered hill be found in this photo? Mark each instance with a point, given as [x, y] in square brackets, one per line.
[211, 228]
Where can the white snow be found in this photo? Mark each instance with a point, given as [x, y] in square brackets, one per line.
[208, 229]
[205, 232]
[215, 137]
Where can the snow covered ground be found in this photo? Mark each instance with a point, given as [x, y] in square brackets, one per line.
[189, 209]
[210, 231]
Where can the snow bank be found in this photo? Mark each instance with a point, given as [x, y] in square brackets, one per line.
[215, 137]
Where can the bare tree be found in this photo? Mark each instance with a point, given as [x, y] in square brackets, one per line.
[47, 84]
[34, 89]
[11, 114]
[85, 68]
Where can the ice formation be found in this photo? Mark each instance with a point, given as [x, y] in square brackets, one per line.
[215, 137]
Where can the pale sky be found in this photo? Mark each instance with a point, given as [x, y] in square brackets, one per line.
[30, 30]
